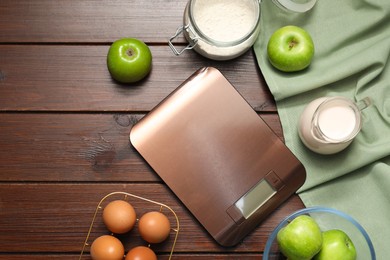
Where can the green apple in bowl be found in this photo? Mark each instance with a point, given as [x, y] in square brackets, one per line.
[290, 49]
[301, 239]
[336, 245]
[129, 60]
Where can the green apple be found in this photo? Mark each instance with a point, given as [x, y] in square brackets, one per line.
[301, 239]
[336, 245]
[290, 48]
[129, 60]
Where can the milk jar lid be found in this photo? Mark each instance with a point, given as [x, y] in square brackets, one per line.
[295, 6]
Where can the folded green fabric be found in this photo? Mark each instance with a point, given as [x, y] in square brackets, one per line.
[352, 59]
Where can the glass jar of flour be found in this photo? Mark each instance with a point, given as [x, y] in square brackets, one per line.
[219, 29]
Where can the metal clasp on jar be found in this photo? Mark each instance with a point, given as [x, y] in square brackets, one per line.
[192, 42]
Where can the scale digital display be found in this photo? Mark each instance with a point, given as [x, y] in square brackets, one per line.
[255, 198]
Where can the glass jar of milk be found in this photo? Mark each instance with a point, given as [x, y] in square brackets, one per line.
[219, 29]
[329, 124]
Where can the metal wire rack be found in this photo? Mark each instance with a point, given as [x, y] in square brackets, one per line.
[126, 197]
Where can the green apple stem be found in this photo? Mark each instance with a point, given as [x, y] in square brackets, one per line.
[292, 43]
[130, 52]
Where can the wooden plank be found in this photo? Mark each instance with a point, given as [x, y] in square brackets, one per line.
[75, 78]
[75, 147]
[89, 21]
[55, 218]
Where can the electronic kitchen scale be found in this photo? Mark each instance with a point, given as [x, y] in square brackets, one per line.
[218, 156]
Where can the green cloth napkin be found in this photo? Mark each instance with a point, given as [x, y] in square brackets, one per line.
[352, 59]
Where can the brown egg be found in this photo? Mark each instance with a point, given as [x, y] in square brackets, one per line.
[141, 253]
[154, 227]
[119, 216]
[107, 247]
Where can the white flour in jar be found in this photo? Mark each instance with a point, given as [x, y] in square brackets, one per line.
[225, 20]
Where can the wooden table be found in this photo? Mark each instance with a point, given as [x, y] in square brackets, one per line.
[64, 124]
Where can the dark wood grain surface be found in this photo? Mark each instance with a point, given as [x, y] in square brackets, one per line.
[64, 124]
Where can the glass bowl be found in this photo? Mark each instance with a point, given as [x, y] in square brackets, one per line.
[327, 218]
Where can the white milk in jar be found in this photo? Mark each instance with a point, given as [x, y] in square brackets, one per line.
[329, 124]
[337, 122]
